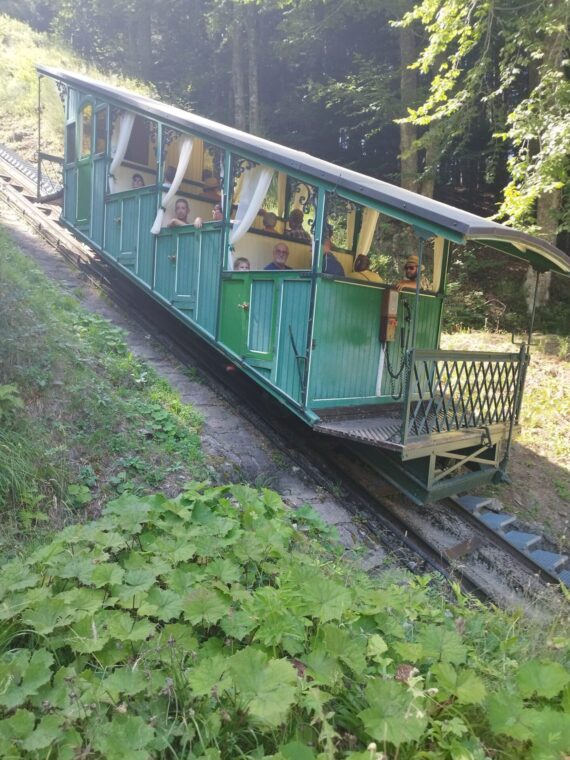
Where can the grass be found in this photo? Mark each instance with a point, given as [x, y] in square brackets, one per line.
[82, 419]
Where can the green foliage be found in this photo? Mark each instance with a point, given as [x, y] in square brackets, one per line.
[208, 626]
[80, 417]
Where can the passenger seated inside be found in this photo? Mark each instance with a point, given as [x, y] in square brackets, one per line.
[217, 213]
[331, 265]
[362, 270]
[181, 211]
[241, 264]
[411, 276]
[169, 175]
[295, 229]
[269, 222]
[137, 181]
[280, 255]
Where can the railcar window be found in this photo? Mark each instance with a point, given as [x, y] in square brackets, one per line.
[273, 218]
[70, 143]
[101, 130]
[85, 124]
[396, 246]
[139, 142]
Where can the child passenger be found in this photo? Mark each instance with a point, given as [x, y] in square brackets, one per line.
[241, 264]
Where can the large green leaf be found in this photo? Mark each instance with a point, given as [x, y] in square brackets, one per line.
[45, 734]
[162, 604]
[325, 599]
[547, 679]
[267, 687]
[463, 684]
[88, 635]
[21, 675]
[126, 737]
[208, 675]
[15, 576]
[394, 715]
[508, 715]
[121, 626]
[127, 681]
[551, 734]
[442, 645]
[48, 615]
[18, 726]
[204, 606]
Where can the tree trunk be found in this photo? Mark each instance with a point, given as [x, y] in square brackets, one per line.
[408, 88]
[238, 73]
[254, 126]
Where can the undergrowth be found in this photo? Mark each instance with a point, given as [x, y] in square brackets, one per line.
[215, 626]
[81, 418]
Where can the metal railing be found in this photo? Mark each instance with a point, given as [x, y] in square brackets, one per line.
[50, 176]
[457, 390]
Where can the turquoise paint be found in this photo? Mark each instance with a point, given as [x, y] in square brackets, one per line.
[261, 316]
[344, 360]
[294, 311]
[98, 216]
[70, 195]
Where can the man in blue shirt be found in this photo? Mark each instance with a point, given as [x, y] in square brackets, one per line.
[280, 254]
[331, 265]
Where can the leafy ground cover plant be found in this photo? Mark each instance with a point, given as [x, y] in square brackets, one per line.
[208, 626]
[81, 418]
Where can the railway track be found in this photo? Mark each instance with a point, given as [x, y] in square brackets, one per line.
[468, 540]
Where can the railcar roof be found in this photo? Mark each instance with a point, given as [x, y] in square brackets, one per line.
[431, 215]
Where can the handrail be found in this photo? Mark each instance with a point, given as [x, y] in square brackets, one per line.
[447, 391]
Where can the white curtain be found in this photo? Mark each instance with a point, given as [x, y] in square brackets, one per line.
[255, 185]
[369, 219]
[127, 121]
[183, 161]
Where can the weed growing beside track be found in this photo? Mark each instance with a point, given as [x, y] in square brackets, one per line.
[82, 419]
[215, 625]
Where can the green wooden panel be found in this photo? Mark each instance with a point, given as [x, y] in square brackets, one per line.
[261, 310]
[293, 320]
[146, 242]
[427, 336]
[70, 195]
[99, 180]
[209, 278]
[233, 319]
[83, 193]
[165, 270]
[129, 233]
[186, 279]
[345, 357]
[113, 228]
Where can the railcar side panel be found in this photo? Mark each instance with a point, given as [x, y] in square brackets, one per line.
[70, 195]
[427, 336]
[346, 352]
[98, 216]
[207, 286]
[292, 337]
[145, 243]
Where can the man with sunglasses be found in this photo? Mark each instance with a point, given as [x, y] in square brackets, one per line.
[411, 276]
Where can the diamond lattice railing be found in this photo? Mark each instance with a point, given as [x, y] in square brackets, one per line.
[454, 390]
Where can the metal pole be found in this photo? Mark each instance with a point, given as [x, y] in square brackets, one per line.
[417, 301]
[531, 325]
[39, 171]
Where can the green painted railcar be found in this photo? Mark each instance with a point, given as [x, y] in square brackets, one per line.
[266, 251]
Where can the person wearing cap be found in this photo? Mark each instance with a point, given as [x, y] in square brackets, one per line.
[362, 270]
[411, 276]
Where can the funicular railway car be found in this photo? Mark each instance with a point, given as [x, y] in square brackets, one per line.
[264, 251]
